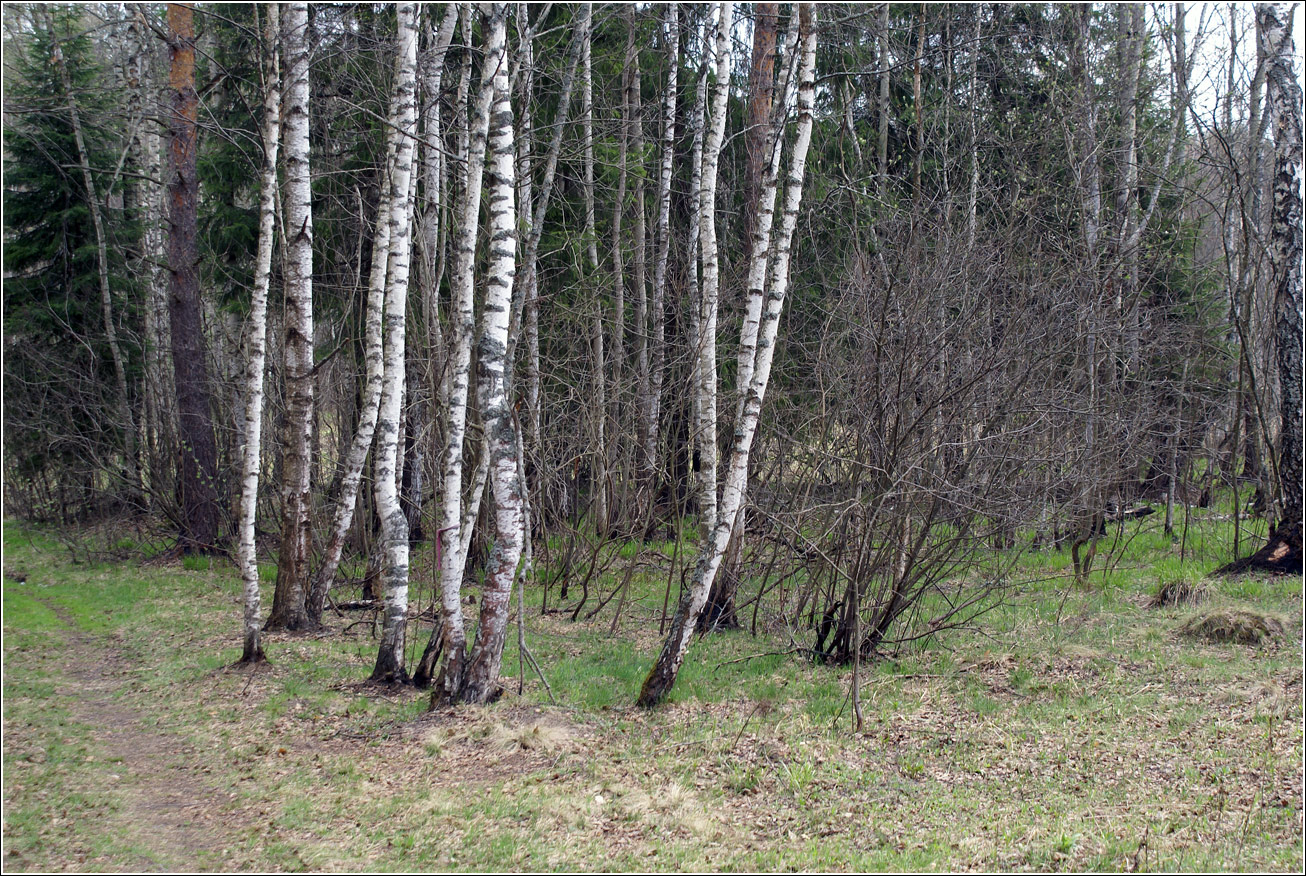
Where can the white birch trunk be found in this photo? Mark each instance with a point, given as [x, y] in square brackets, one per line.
[346, 493]
[598, 404]
[394, 525]
[710, 292]
[658, 356]
[481, 680]
[1283, 99]
[663, 675]
[288, 606]
[698, 130]
[639, 256]
[462, 327]
[247, 552]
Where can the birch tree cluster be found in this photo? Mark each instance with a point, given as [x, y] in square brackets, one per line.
[849, 304]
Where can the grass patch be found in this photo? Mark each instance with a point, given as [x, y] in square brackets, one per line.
[1239, 626]
[1077, 732]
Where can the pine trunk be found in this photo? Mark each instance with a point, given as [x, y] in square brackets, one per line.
[197, 480]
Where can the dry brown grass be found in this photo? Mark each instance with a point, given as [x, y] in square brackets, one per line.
[1237, 625]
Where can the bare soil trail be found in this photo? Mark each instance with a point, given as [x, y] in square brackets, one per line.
[167, 808]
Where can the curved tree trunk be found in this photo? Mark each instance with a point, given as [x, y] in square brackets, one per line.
[251, 463]
[394, 524]
[663, 674]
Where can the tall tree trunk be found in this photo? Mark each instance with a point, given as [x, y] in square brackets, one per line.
[652, 402]
[720, 608]
[1131, 31]
[761, 90]
[710, 294]
[197, 481]
[288, 600]
[256, 343]
[345, 489]
[697, 123]
[159, 391]
[528, 277]
[462, 326]
[1284, 100]
[394, 525]
[481, 679]
[598, 406]
[663, 674]
[882, 111]
[639, 256]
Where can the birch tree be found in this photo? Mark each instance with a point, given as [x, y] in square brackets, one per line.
[288, 599]
[711, 289]
[598, 405]
[720, 609]
[1284, 100]
[462, 325]
[651, 385]
[394, 524]
[480, 681]
[251, 462]
[345, 491]
[663, 674]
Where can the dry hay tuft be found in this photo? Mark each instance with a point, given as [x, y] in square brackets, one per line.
[1178, 592]
[532, 737]
[1234, 625]
[671, 806]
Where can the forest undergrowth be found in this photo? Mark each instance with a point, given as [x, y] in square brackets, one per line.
[1068, 728]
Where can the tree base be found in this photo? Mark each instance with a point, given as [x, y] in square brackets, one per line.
[1282, 555]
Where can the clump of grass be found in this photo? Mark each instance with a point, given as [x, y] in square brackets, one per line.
[487, 732]
[1243, 626]
[1178, 591]
[532, 737]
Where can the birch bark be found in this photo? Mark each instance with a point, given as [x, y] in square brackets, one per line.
[598, 406]
[1284, 99]
[710, 292]
[247, 552]
[462, 327]
[658, 355]
[481, 680]
[394, 524]
[288, 601]
[663, 675]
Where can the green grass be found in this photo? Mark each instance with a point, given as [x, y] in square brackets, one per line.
[1073, 730]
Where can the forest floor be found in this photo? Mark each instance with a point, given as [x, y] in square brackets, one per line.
[1073, 729]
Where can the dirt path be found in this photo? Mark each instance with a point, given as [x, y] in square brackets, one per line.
[167, 808]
